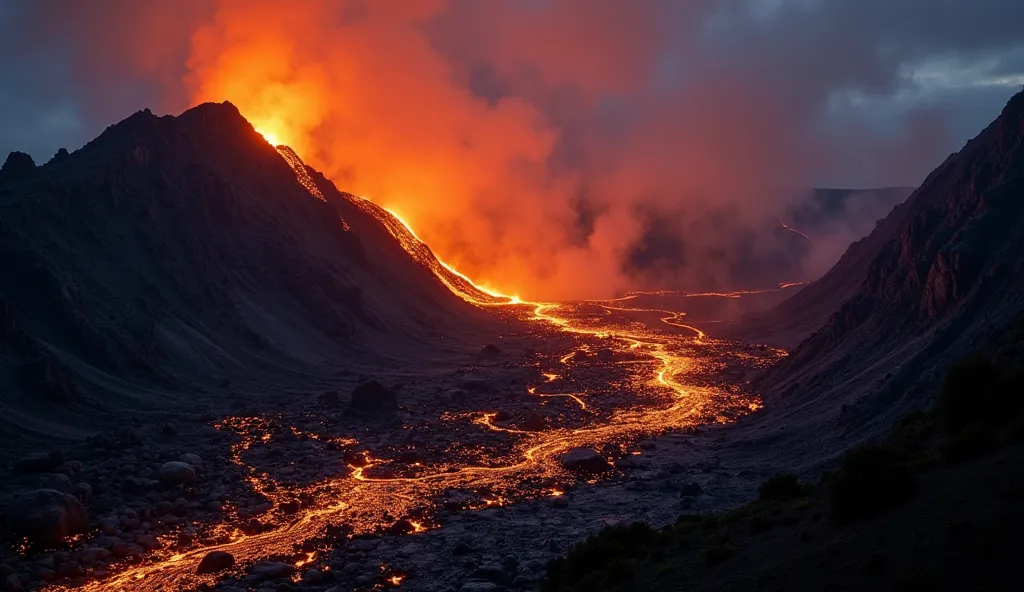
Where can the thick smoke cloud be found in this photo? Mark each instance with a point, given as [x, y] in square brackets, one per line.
[558, 148]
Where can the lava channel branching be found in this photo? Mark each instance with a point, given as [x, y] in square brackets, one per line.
[675, 381]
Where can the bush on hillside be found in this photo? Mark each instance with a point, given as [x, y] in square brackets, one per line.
[605, 558]
[978, 393]
[871, 479]
[782, 486]
[966, 386]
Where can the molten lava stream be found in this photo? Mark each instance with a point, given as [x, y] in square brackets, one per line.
[681, 368]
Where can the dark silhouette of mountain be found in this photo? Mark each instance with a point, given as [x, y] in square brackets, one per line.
[934, 281]
[177, 255]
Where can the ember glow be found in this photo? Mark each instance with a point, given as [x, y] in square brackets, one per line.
[665, 375]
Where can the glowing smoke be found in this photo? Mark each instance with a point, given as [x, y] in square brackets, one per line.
[535, 144]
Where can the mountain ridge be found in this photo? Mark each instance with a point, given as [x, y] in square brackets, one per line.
[182, 253]
[935, 278]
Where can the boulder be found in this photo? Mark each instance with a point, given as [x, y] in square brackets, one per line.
[174, 473]
[39, 462]
[329, 399]
[372, 398]
[533, 422]
[477, 385]
[47, 516]
[410, 457]
[215, 561]
[272, 569]
[56, 481]
[491, 350]
[584, 459]
[691, 489]
[193, 460]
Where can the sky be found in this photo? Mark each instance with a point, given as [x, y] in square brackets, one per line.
[539, 145]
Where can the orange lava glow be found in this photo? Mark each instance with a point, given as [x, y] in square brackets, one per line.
[673, 370]
[270, 137]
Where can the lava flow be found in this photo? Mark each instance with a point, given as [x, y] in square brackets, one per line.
[631, 372]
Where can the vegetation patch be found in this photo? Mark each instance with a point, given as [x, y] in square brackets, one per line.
[871, 479]
[606, 558]
[782, 486]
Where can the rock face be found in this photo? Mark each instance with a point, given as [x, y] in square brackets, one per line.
[940, 275]
[584, 459]
[372, 398]
[175, 472]
[17, 166]
[47, 516]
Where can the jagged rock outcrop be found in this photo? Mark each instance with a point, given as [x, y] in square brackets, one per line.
[945, 271]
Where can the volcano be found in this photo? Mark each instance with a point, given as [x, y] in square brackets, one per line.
[173, 257]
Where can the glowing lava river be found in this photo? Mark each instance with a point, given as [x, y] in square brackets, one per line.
[604, 375]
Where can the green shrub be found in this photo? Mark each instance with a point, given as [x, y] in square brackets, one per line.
[604, 558]
[965, 390]
[870, 479]
[976, 391]
[969, 443]
[718, 553]
[782, 486]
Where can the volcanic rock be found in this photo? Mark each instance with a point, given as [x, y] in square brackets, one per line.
[12, 583]
[491, 350]
[584, 459]
[533, 422]
[477, 385]
[329, 399]
[56, 481]
[39, 462]
[492, 573]
[47, 516]
[272, 569]
[174, 473]
[691, 490]
[371, 398]
[215, 561]
[192, 459]
[410, 457]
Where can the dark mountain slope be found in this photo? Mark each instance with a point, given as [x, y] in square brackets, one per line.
[794, 319]
[176, 255]
[945, 273]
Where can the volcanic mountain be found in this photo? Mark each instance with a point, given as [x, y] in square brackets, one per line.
[174, 257]
[940, 275]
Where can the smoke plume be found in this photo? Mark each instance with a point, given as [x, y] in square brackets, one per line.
[555, 149]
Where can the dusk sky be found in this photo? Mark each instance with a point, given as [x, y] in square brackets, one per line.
[550, 121]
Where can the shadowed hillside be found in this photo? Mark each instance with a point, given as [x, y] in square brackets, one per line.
[173, 256]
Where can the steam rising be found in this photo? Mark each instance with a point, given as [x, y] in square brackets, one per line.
[557, 149]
